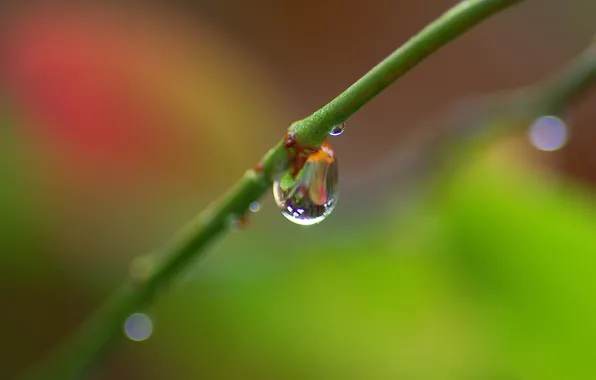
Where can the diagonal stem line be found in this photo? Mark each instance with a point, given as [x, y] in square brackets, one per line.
[77, 353]
[459, 19]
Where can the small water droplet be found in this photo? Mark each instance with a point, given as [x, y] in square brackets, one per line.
[310, 197]
[138, 327]
[232, 222]
[254, 207]
[338, 129]
[548, 133]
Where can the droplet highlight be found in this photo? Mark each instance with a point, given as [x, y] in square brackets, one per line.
[138, 327]
[548, 133]
[254, 206]
[338, 129]
[310, 196]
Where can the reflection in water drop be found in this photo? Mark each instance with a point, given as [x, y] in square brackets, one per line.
[548, 133]
[138, 327]
[338, 129]
[254, 206]
[311, 196]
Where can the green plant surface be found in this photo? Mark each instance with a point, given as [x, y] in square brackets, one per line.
[168, 263]
[490, 280]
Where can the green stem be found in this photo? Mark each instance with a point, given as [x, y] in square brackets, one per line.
[569, 83]
[77, 353]
[468, 13]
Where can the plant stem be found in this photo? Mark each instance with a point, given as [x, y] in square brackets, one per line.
[567, 84]
[77, 353]
[452, 137]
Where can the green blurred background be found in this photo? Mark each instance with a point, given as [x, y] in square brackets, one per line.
[119, 121]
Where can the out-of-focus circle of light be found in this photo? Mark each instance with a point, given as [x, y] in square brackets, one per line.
[548, 133]
[255, 206]
[138, 327]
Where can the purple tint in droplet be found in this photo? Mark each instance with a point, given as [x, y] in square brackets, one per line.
[338, 129]
[138, 327]
[548, 133]
[254, 206]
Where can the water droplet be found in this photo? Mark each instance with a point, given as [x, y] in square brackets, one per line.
[254, 207]
[548, 133]
[311, 196]
[338, 129]
[138, 327]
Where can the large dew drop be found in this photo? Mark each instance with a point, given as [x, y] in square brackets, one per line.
[310, 197]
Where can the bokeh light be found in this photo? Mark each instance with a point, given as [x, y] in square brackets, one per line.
[121, 121]
[138, 327]
[255, 206]
[548, 133]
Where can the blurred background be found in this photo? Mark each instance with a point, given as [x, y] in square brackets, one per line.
[120, 121]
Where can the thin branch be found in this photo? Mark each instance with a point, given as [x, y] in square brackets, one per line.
[76, 354]
[437, 144]
[468, 13]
